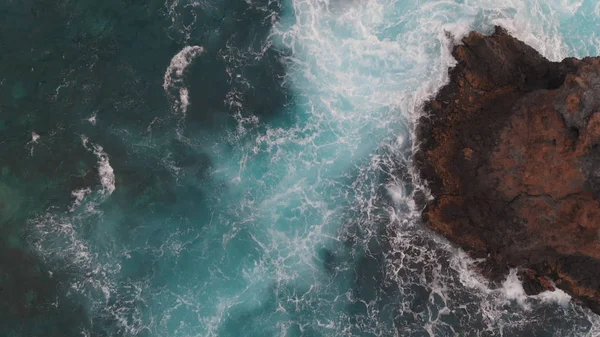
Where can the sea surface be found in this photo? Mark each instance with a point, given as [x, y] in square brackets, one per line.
[234, 168]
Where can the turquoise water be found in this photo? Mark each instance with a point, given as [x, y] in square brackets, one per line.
[220, 168]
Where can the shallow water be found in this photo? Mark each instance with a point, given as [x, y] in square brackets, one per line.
[220, 168]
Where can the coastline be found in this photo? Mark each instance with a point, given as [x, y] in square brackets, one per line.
[508, 149]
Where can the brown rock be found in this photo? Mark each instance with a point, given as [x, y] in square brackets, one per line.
[545, 282]
[510, 151]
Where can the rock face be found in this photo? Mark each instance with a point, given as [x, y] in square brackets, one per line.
[510, 149]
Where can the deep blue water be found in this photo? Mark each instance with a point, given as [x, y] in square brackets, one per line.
[242, 168]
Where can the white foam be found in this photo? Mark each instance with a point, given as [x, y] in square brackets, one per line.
[60, 242]
[105, 171]
[184, 98]
[513, 288]
[92, 119]
[84, 141]
[397, 193]
[34, 140]
[557, 296]
[79, 195]
[173, 78]
[179, 63]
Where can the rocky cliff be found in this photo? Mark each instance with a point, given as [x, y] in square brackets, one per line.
[510, 149]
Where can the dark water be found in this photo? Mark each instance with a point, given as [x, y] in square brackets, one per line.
[241, 168]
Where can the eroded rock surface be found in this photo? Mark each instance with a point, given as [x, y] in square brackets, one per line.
[510, 150]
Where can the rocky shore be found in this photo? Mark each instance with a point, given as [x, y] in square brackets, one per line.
[510, 150]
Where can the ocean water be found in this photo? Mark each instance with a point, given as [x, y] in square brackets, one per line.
[243, 168]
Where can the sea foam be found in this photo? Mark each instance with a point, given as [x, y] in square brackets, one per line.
[173, 78]
[79, 195]
[105, 171]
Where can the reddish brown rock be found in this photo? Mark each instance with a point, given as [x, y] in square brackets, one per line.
[545, 282]
[534, 284]
[510, 151]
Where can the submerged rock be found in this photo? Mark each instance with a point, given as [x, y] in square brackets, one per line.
[510, 151]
